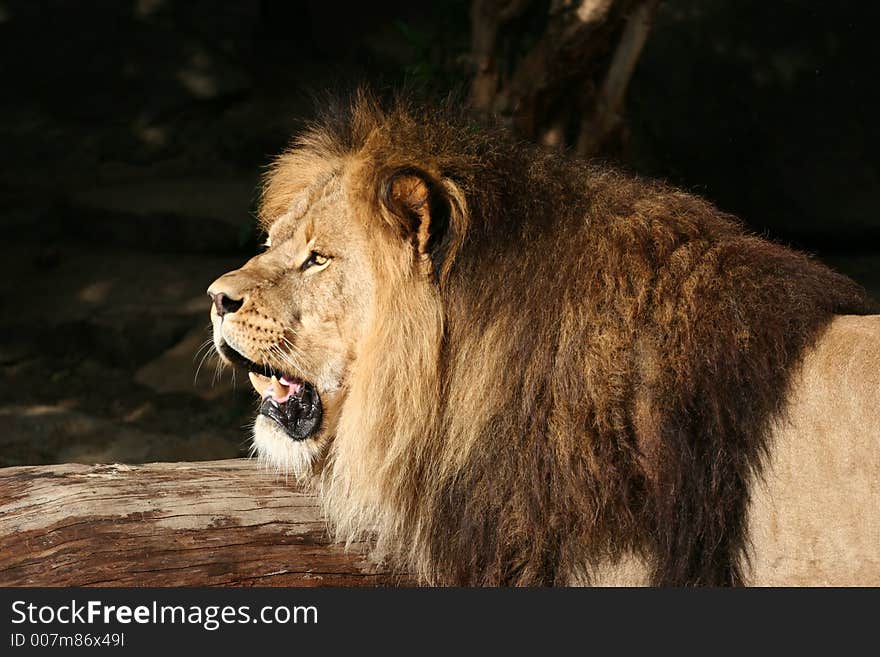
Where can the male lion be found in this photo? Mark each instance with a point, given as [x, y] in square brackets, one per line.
[506, 366]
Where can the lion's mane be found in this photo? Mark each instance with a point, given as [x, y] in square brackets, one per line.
[590, 371]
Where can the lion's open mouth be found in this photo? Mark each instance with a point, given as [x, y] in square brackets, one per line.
[294, 404]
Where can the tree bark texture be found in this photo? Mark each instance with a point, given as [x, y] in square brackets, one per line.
[220, 523]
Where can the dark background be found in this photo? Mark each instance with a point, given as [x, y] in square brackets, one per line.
[133, 135]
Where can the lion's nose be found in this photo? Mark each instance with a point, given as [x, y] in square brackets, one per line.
[224, 304]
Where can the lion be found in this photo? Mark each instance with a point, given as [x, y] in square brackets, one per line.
[501, 365]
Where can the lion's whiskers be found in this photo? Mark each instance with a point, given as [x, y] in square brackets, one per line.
[219, 366]
[205, 345]
[290, 360]
[210, 349]
[295, 351]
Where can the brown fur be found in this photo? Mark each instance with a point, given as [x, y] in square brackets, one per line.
[559, 364]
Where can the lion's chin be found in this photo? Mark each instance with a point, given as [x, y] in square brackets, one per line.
[273, 446]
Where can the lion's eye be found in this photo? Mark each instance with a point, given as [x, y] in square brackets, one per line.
[315, 259]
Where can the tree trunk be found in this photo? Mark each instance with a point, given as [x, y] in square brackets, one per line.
[168, 524]
[568, 87]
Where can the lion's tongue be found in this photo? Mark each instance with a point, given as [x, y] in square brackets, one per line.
[278, 390]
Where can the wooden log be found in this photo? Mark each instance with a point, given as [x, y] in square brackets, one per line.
[216, 523]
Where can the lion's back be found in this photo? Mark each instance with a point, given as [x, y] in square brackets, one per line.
[815, 514]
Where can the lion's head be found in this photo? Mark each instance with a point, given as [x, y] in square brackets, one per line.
[353, 239]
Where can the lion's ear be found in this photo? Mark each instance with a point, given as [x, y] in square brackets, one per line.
[420, 208]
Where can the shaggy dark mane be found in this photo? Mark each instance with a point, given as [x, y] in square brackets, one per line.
[633, 346]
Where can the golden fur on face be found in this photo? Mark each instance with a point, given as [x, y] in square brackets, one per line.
[309, 322]
[531, 364]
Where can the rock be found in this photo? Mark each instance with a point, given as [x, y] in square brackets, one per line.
[54, 433]
[178, 215]
[189, 367]
[226, 201]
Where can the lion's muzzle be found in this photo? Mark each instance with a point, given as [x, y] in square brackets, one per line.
[291, 402]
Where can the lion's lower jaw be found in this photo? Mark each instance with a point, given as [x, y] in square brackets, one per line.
[273, 447]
